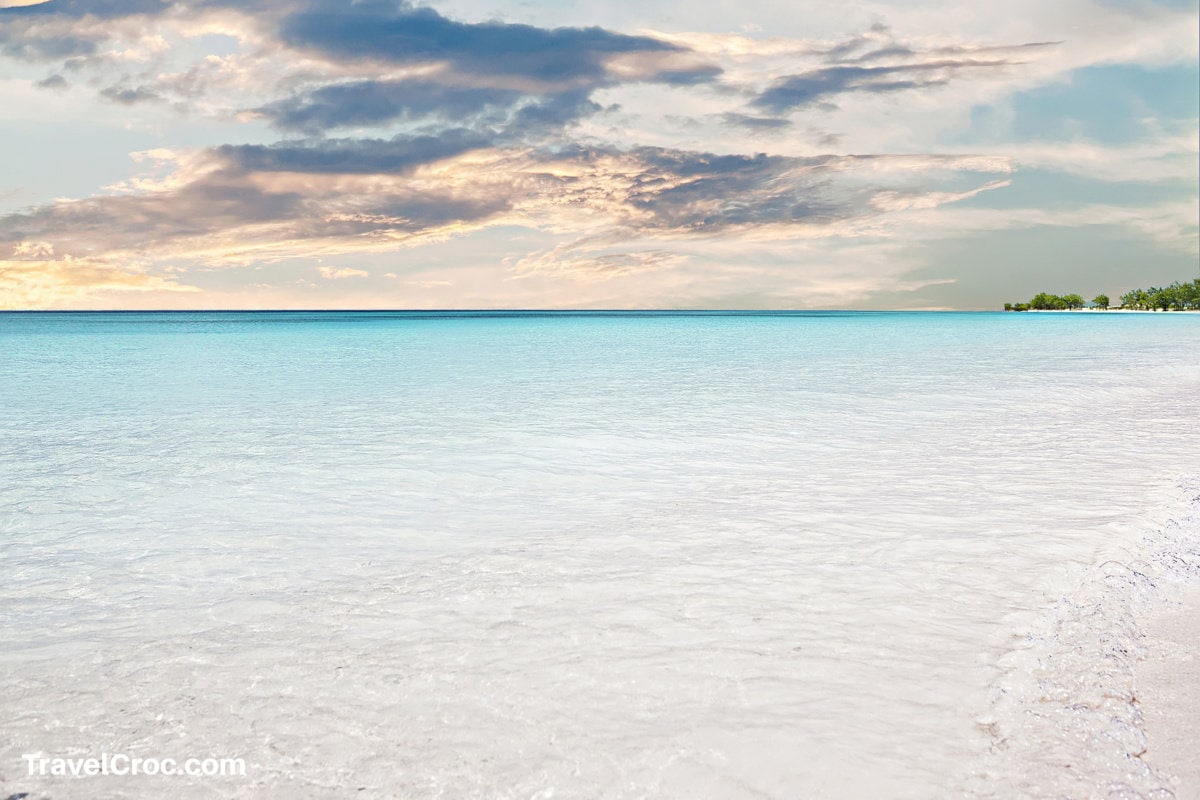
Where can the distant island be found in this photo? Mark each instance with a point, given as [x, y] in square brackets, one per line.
[1178, 296]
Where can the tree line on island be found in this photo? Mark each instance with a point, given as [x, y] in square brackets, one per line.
[1178, 296]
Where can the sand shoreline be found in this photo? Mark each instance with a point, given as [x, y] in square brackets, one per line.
[1168, 691]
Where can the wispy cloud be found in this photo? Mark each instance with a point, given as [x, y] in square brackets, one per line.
[821, 85]
[569, 260]
[55, 283]
[338, 273]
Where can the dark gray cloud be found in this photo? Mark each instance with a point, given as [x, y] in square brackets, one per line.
[408, 213]
[353, 156]
[229, 207]
[1009, 50]
[218, 201]
[376, 102]
[754, 123]
[102, 9]
[874, 62]
[880, 53]
[55, 81]
[847, 48]
[820, 85]
[550, 113]
[479, 116]
[691, 191]
[402, 33]
[558, 68]
[128, 97]
[16, 41]
[44, 32]
[878, 43]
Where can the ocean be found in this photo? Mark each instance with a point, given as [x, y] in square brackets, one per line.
[590, 555]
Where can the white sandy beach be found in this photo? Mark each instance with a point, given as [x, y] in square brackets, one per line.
[1168, 684]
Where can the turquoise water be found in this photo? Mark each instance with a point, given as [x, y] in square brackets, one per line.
[587, 555]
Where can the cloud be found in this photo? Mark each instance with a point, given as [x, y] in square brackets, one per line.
[615, 157]
[200, 208]
[374, 102]
[338, 273]
[754, 123]
[809, 88]
[55, 81]
[343, 65]
[34, 249]
[567, 260]
[490, 73]
[1169, 225]
[358, 156]
[401, 33]
[101, 9]
[46, 283]
[61, 29]
[129, 97]
[232, 206]
[491, 113]
[699, 191]
[879, 43]
[890, 200]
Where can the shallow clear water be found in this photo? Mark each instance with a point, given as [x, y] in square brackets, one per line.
[532, 555]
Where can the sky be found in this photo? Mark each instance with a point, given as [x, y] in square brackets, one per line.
[571, 154]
